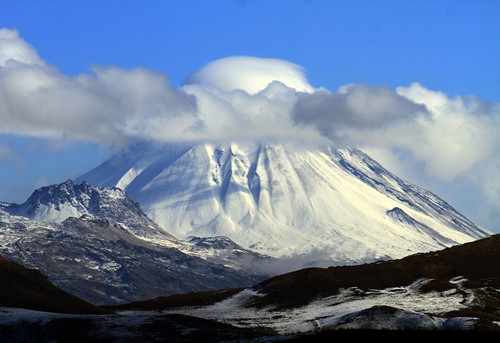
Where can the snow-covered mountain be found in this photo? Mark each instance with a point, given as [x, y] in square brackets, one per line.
[324, 203]
[56, 203]
[98, 244]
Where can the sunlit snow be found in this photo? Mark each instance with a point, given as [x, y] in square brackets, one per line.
[322, 203]
[418, 310]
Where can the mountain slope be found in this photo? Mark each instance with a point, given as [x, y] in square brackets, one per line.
[113, 252]
[100, 261]
[476, 263]
[327, 204]
[449, 293]
[56, 203]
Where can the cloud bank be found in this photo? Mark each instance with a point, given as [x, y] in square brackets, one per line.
[249, 98]
[450, 136]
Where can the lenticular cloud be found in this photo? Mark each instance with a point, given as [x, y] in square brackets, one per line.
[250, 74]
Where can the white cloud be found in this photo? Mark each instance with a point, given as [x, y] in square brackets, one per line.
[460, 133]
[237, 115]
[111, 105]
[354, 109]
[14, 50]
[450, 136]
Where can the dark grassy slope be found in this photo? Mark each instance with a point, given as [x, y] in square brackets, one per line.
[478, 261]
[28, 288]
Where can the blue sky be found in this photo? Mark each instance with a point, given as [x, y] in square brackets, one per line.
[450, 48]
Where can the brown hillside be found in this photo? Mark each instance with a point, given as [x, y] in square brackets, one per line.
[478, 261]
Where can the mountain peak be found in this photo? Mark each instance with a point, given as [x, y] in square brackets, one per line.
[56, 203]
[325, 202]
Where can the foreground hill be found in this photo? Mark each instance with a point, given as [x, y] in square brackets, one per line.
[451, 293]
[457, 288]
[33, 310]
